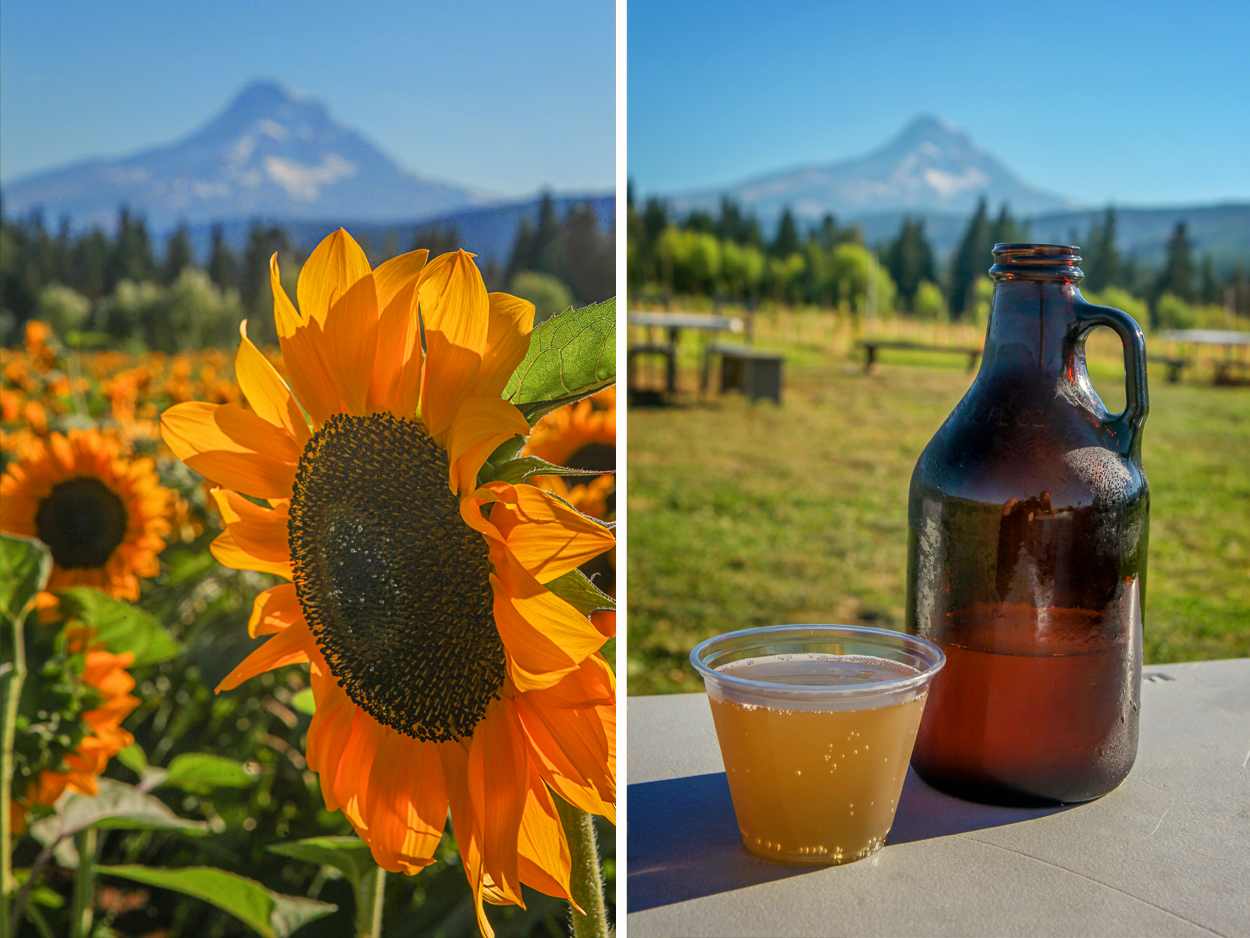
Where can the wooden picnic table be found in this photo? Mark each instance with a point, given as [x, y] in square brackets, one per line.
[1228, 370]
[672, 323]
[1166, 853]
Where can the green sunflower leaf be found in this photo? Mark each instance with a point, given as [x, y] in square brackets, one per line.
[25, 565]
[116, 806]
[201, 772]
[266, 912]
[119, 625]
[518, 470]
[304, 701]
[576, 589]
[570, 356]
[349, 855]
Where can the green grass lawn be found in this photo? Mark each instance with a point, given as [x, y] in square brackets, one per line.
[743, 515]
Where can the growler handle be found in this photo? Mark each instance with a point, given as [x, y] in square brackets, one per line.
[1125, 426]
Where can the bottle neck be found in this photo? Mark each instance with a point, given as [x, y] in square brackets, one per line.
[1029, 322]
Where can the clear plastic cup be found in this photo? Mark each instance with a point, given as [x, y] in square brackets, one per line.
[816, 725]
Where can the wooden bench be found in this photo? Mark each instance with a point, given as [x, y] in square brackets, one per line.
[871, 346]
[667, 351]
[742, 368]
[1174, 365]
[1231, 371]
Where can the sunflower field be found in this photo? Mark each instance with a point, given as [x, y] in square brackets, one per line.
[284, 627]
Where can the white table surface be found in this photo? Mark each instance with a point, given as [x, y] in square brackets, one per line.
[1166, 853]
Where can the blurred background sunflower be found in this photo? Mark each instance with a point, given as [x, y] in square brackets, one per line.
[103, 516]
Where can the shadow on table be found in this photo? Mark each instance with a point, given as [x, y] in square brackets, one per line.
[684, 841]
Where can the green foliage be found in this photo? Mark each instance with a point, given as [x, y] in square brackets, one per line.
[178, 255]
[787, 240]
[972, 258]
[25, 565]
[117, 806]
[349, 855]
[690, 260]
[1177, 276]
[518, 470]
[982, 300]
[192, 313]
[1171, 312]
[118, 625]
[1101, 257]
[909, 258]
[577, 590]
[63, 308]
[572, 249]
[201, 772]
[570, 357]
[1121, 299]
[929, 303]
[268, 913]
[548, 294]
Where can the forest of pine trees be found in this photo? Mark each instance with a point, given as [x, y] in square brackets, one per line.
[124, 289]
[728, 257]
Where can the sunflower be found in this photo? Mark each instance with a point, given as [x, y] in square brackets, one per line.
[102, 516]
[445, 672]
[581, 436]
[105, 673]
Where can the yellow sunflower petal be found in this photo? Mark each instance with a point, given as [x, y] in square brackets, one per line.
[288, 647]
[548, 538]
[396, 380]
[573, 754]
[356, 765]
[407, 806]
[274, 611]
[229, 553]
[349, 343]
[335, 266]
[545, 637]
[261, 532]
[465, 825]
[455, 310]
[232, 447]
[498, 770]
[309, 379]
[481, 424]
[544, 860]
[507, 341]
[592, 685]
[264, 390]
[330, 728]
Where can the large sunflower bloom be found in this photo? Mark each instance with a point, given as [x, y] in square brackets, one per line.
[444, 671]
[102, 516]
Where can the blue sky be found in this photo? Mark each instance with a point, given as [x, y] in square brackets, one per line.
[506, 97]
[1140, 103]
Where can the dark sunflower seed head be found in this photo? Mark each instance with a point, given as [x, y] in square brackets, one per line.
[82, 521]
[394, 585]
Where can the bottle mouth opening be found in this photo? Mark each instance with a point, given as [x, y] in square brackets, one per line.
[1036, 262]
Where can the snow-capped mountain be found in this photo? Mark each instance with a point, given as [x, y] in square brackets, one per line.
[930, 167]
[271, 153]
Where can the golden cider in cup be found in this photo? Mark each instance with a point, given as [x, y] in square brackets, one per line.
[816, 731]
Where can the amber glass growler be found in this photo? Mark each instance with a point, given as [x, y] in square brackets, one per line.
[1027, 531]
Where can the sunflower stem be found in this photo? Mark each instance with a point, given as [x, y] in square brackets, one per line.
[13, 695]
[83, 909]
[370, 894]
[586, 874]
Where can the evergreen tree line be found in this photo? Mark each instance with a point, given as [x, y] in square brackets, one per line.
[1182, 292]
[116, 288]
[727, 256]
